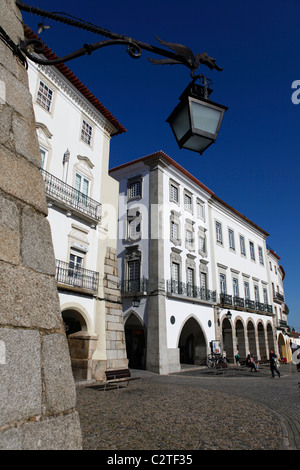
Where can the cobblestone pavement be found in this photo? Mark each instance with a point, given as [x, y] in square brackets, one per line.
[194, 410]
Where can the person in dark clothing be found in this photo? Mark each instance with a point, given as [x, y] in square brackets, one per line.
[273, 364]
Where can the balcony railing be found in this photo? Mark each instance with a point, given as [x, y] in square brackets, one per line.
[279, 297]
[134, 286]
[71, 275]
[225, 299]
[190, 291]
[239, 302]
[66, 195]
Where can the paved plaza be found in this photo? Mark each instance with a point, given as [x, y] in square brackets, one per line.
[194, 410]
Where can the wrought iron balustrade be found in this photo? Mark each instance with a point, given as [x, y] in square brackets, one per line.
[189, 290]
[268, 308]
[60, 191]
[260, 306]
[75, 276]
[225, 299]
[250, 304]
[134, 286]
[238, 302]
[278, 296]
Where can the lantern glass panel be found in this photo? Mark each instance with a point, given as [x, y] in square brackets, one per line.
[181, 123]
[204, 118]
[197, 143]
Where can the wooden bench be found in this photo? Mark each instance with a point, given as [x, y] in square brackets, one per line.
[115, 377]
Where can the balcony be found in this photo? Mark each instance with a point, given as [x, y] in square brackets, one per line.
[225, 299]
[67, 197]
[76, 278]
[135, 286]
[190, 291]
[240, 304]
[277, 297]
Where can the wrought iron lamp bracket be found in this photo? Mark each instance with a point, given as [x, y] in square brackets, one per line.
[179, 54]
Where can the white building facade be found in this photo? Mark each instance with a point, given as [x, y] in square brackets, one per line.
[186, 259]
[74, 131]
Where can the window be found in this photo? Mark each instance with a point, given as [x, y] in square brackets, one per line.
[252, 254]
[175, 277]
[203, 281]
[242, 245]
[44, 157]
[134, 229]
[86, 132]
[175, 272]
[75, 268]
[135, 189]
[256, 293]
[174, 231]
[265, 291]
[188, 202]
[133, 273]
[222, 283]
[202, 244]
[260, 255]
[219, 232]
[173, 193]
[189, 239]
[231, 239]
[247, 290]
[235, 287]
[44, 96]
[190, 281]
[81, 190]
[200, 210]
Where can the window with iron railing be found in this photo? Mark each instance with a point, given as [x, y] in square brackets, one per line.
[71, 197]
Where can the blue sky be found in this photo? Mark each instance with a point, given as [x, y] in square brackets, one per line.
[254, 165]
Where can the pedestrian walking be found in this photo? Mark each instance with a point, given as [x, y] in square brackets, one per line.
[273, 364]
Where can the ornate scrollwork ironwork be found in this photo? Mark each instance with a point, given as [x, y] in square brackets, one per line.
[178, 54]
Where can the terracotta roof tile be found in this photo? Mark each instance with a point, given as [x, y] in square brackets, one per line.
[76, 82]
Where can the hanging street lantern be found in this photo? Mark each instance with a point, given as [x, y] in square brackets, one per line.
[196, 120]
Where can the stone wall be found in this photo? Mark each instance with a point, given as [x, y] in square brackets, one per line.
[37, 390]
[115, 335]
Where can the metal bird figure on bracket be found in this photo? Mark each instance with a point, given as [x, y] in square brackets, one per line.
[190, 59]
[180, 54]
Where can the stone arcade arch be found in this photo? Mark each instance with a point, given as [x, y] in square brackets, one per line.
[227, 339]
[74, 321]
[135, 342]
[82, 344]
[240, 339]
[270, 337]
[192, 343]
[262, 341]
[282, 348]
[251, 338]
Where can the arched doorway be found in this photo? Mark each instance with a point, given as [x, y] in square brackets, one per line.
[282, 349]
[251, 339]
[227, 339]
[81, 343]
[135, 342]
[73, 321]
[270, 336]
[192, 343]
[240, 339]
[262, 341]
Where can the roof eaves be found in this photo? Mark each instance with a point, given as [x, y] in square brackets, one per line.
[76, 82]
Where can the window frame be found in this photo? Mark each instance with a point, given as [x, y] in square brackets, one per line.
[85, 136]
